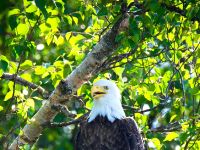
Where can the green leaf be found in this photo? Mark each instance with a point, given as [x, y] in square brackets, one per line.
[8, 95]
[132, 26]
[102, 12]
[172, 118]
[14, 12]
[67, 70]
[4, 62]
[131, 43]
[154, 100]
[58, 64]
[120, 37]
[185, 126]
[44, 27]
[1, 73]
[31, 8]
[157, 143]
[3, 58]
[18, 49]
[30, 103]
[119, 71]
[13, 22]
[60, 40]
[141, 99]
[68, 35]
[89, 104]
[53, 22]
[27, 77]
[22, 29]
[75, 19]
[49, 38]
[1, 108]
[171, 136]
[69, 19]
[41, 5]
[195, 91]
[39, 70]
[83, 89]
[3, 65]
[27, 64]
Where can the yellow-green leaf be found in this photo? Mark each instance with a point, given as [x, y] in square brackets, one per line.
[31, 8]
[39, 70]
[172, 118]
[10, 93]
[13, 12]
[27, 64]
[119, 71]
[54, 22]
[89, 104]
[185, 126]
[60, 40]
[156, 142]
[171, 36]
[49, 38]
[75, 19]
[30, 102]
[58, 64]
[171, 136]
[27, 77]
[22, 29]
[1, 108]
[68, 35]
[4, 58]
[1, 73]
[69, 20]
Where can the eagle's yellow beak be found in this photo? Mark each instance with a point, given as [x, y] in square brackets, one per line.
[97, 91]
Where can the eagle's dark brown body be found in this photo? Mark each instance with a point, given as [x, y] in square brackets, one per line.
[101, 134]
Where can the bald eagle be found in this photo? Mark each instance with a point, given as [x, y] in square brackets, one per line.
[107, 127]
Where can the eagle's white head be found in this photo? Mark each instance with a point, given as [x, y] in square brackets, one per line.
[107, 101]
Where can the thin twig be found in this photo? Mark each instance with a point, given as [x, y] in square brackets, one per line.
[187, 143]
[14, 80]
[175, 71]
[142, 111]
[62, 124]
[175, 126]
[198, 136]
[172, 8]
[63, 109]
[15, 75]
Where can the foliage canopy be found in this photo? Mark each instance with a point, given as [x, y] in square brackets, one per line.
[156, 65]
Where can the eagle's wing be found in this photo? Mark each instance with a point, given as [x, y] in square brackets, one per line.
[133, 136]
[80, 142]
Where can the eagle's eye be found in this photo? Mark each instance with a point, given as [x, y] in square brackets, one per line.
[105, 87]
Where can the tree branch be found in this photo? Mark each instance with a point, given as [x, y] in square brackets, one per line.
[179, 11]
[175, 126]
[168, 7]
[19, 80]
[143, 111]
